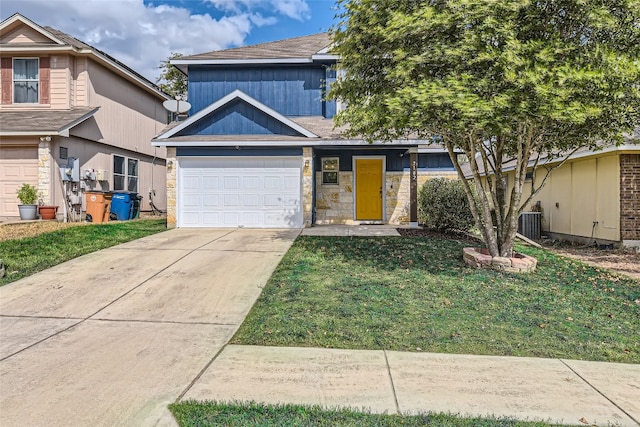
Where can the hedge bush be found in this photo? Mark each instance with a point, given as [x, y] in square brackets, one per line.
[443, 205]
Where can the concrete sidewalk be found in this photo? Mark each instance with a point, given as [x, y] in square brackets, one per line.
[563, 391]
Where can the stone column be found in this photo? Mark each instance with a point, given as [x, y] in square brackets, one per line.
[171, 188]
[307, 186]
[44, 170]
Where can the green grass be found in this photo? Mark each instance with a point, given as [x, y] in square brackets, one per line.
[416, 294]
[27, 256]
[192, 413]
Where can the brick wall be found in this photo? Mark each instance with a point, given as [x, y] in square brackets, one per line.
[630, 196]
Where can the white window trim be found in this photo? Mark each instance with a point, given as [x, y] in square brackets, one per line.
[126, 175]
[322, 171]
[13, 80]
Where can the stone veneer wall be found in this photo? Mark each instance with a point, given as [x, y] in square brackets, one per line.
[630, 197]
[44, 172]
[334, 203]
[307, 186]
[171, 188]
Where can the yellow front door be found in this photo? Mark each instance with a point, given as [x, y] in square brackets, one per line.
[369, 189]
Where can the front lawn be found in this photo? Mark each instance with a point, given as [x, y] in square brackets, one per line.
[23, 257]
[416, 294]
[191, 413]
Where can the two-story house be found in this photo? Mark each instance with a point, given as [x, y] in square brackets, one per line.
[65, 103]
[260, 149]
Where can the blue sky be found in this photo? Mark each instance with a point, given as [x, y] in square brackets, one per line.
[141, 33]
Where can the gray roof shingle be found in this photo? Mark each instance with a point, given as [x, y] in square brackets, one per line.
[297, 47]
[15, 122]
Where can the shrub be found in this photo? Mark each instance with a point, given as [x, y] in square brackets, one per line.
[27, 194]
[443, 205]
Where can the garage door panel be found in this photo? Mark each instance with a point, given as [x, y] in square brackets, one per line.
[240, 192]
[251, 200]
[211, 182]
[211, 201]
[17, 166]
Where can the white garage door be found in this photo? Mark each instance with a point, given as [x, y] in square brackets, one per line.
[17, 166]
[254, 192]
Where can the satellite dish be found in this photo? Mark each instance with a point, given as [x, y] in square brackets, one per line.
[176, 106]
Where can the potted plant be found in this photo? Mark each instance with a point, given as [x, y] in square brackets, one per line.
[28, 195]
[47, 212]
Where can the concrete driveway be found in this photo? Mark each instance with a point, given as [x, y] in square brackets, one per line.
[113, 337]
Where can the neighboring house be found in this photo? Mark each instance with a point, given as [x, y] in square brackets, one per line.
[594, 196]
[260, 150]
[63, 99]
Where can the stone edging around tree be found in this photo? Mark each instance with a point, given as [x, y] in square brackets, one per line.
[480, 257]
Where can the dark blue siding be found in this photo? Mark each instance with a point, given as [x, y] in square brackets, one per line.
[238, 118]
[247, 152]
[397, 160]
[291, 91]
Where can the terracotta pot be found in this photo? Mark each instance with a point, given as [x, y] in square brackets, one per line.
[48, 212]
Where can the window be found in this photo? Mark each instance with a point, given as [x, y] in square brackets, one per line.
[25, 80]
[125, 174]
[64, 153]
[330, 168]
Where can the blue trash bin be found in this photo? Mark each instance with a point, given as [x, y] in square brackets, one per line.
[122, 205]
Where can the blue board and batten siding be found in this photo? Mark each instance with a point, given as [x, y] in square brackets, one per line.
[397, 160]
[238, 118]
[290, 90]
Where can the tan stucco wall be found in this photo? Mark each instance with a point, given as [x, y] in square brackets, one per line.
[578, 194]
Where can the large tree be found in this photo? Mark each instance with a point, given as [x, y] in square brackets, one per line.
[171, 80]
[497, 80]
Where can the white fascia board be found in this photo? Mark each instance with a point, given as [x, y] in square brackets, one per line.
[324, 57]
[240, 61]
[306, 143]
[30, 133]
[237, 94]
[17, 17]
[37, 49]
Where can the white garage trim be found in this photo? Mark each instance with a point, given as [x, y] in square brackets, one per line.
[252, 192]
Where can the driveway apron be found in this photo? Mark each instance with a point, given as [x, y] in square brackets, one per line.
[113, 337]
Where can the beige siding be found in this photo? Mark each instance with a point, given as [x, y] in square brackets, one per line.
[578, 194]
[79, 95]
[23, 35]
[60, 82]
[128, 117]
[94, 156]
[18, 165]
[608, 202]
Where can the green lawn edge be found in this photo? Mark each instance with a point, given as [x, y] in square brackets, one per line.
[239, 414]
[24, 257]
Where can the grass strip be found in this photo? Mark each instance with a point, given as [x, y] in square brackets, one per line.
[191, 413]
[23, 257]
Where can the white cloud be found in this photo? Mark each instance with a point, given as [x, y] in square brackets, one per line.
[295, 9]
[143, 35]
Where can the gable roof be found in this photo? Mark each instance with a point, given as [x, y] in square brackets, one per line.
[61, 41]
[297, 50]
[226, 100]
[43, 122]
